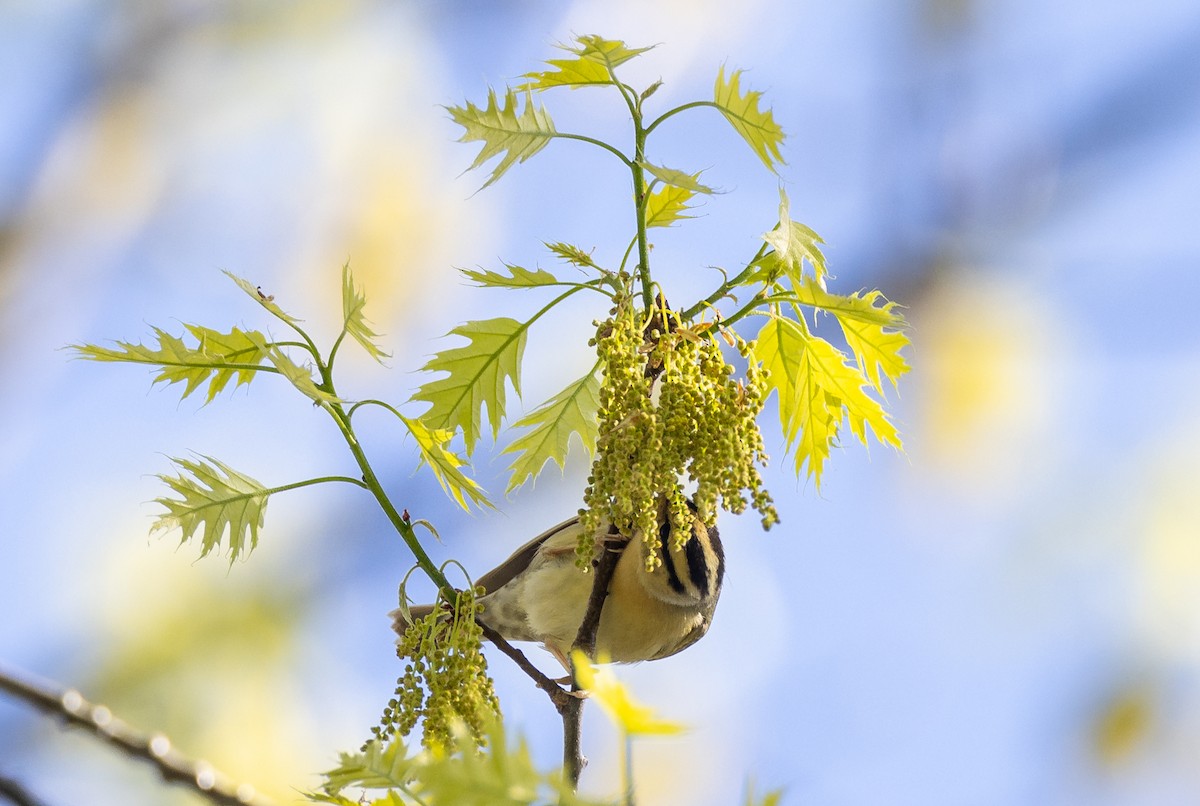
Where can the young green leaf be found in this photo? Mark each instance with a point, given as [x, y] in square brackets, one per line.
[238, 347]
[794, 244]
[595, 60]
[342, 800]
[817, 390]
[571, 411]
[213, 496]
[646, 93]
[757, 127]
[354, 322]
[501, 774]
[378, 766]
[876, 348]
[677, 178]
[845, 388]
[300, 375]
[857, 307]
[498, 775]
[870, 324]
[266, 300]
[459, 774]
[445, 464]
[667, 204]
[476, 375]
[502, 131]
[808, 427]
[517, 277]
[391, 797]
[216, 358]
[574, 255]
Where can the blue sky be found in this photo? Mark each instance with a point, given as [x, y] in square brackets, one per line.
[950, 626]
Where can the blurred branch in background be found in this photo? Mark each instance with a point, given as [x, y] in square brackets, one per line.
[1021, 175]
[156, 749]
[14, 793]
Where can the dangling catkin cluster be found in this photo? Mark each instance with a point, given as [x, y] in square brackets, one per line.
[703, 428]
[445, 679]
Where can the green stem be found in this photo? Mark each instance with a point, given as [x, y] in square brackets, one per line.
[372, 402]
[300, 344]
[640, 196]
[596, 285]
[551, 304]
[371, 482]
[585, 139]
[750, 307]
[269, 491]
[640, 191]
[334, 349]
[307, 344]
[726, 286]
[309, 482]
[628, 251]
[630, 96]
[676, 111]
[402, 526]
[627, 769]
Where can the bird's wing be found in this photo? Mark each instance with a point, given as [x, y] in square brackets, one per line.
[563, 535]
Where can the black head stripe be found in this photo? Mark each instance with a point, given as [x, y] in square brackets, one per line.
[714, 540]
[697, 562]
[706, 564]
[664, 550]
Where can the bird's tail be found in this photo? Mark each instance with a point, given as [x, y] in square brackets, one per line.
[401, 620]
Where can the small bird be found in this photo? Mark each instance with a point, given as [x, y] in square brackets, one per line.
[539, 594]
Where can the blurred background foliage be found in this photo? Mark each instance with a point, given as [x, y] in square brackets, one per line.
[1008, 614]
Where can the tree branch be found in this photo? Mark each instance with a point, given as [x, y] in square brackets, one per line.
[558, 695]
[69, 705]
[585, 640]
[13, 792]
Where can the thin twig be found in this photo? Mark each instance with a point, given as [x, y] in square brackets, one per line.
[558, 695]
[13, 792]
[605, 565]
[156, 749]
[585, 640]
